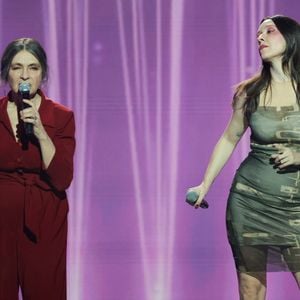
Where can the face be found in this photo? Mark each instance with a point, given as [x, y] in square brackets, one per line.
[25, 68]
[271, 43]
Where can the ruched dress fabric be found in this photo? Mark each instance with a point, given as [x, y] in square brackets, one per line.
[263, 210]
[34, 207]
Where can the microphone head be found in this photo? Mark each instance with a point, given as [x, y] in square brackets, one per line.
[191, 198]
[24, 87]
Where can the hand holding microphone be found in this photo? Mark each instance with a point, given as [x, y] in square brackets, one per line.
[193, 195]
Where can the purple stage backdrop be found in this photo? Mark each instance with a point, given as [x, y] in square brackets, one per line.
[151, 83]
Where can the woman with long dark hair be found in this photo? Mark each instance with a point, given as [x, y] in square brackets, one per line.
[36, 167]
[263, 211]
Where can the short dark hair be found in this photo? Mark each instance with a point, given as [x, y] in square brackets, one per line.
[28, 44]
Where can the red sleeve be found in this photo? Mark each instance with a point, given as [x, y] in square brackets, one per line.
[60, 169]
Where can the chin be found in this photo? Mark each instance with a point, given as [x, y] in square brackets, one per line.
[266, 59]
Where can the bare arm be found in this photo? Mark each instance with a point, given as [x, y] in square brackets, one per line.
[222, 151]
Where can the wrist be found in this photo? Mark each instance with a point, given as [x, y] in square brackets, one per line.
[43, 136]
[204, 186]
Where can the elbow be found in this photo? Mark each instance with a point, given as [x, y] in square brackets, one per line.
[61, 180]
[62, 184]
[232, 139]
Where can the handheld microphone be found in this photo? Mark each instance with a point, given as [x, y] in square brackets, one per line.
[192, 197]
[24, 90]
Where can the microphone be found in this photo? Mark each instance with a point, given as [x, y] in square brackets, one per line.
[191, 198]
[24, 90]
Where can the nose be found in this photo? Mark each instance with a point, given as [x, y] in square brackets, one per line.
[24, 74]
[260, 38]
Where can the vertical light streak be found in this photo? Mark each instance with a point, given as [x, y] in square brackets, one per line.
[69, 48]
[141, 82]
[51, 42]
[272, 6]
[144, 89]
[234, 49]
[253, 26]
[2, 87]
[136, 55]
[242, 43]
[77, 188]
[242, 46]
[77, 81]
[133, 147]
[261, 9]
[159, 280]
[243, 63]
[145, 93]
[82, 99]
[175, 94]
[73, 267]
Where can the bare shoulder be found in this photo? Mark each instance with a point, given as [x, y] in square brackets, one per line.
[239, 100]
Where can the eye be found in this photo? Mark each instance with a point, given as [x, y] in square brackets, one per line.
[14, 68]
[270, 30]
[35, 68]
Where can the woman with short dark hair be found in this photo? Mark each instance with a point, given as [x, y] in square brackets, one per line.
[36, 167]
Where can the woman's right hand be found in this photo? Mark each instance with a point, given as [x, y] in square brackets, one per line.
[201, 190]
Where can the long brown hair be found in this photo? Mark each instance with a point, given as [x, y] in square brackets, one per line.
[254, 86]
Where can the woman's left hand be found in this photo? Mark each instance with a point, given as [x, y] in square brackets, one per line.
[285, 156]
[31, 115]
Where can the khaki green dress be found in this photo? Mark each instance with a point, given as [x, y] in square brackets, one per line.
[263, 211]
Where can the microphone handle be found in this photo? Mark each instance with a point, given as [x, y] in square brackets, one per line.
[191, 198]
[27, 126]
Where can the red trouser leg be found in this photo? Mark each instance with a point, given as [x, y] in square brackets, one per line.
[43, 266]
[8, 266]
[11, 209]
[38, 267]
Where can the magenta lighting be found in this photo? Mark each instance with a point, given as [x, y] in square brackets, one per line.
[69, 78]
[151, 161]
[150, 82]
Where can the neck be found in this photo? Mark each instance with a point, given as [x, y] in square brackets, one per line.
[277, 73]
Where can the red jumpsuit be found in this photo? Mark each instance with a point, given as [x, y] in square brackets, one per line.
[34, 207]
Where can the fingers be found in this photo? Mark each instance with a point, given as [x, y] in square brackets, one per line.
[197, 193]
[281, 149]
[29, 115]
[278, 146]
[197, 205]
[199, 200]
[284, 157]
[29, 102]
[200, 191]
[281, 161]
